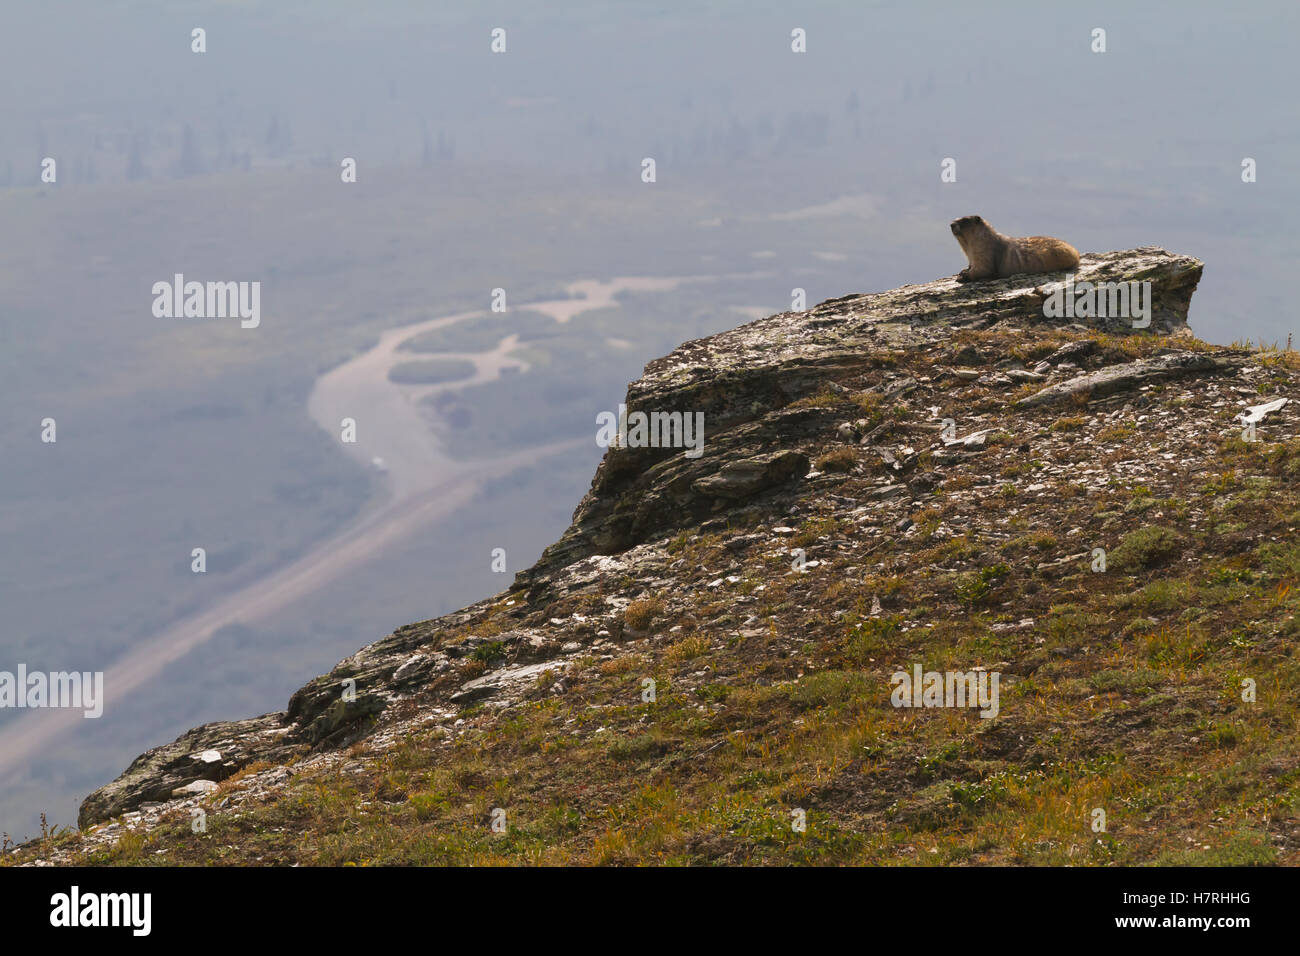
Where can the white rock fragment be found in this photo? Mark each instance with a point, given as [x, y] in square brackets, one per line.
[195, 789]
[1256, 413]
[973, 440]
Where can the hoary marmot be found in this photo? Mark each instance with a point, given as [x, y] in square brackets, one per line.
[995, 256]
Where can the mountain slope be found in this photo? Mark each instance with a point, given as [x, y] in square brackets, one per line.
[706, 659]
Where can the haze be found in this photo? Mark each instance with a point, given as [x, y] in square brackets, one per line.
[519, 171]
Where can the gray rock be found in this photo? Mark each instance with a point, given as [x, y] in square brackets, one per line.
[503, 680]
[196, 788]
[156, 774]
[749, 476]
[1132, 375]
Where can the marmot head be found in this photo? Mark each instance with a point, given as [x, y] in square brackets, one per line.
[967, 225]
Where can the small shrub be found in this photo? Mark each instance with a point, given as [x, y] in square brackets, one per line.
[489, 653]
[1144, 548]
[871, 637]
[1069, 424]
[1224, 736]
[640, 747]
[841, 460]
[1134, 681]
[640, 614]
[833, 687]
[687, 649]
[977, 587]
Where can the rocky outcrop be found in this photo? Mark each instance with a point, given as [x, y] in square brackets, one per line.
[1131, 376]
[797, 407]
[209, 753]
[327, 712]
[746, 381]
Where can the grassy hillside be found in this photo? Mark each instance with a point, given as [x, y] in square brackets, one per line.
[1121, 691]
